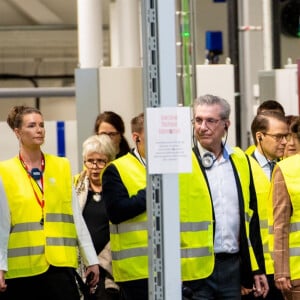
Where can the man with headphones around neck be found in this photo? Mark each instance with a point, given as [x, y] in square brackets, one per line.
[215, 205]
[124, 194]
[270, 132]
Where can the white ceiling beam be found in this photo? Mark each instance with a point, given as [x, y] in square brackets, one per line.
[37, 11]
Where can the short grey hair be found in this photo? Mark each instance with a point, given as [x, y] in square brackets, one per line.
[101, 144]
[212, 100]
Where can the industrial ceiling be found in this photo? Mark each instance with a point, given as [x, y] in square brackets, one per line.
[39, 37]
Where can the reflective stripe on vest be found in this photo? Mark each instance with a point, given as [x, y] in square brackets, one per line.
[129, 239]
[25, 251]
[31, 247]
[127, 227]
[55, 217]
[197, 260]
[290, 168]
[295, 227]
[129, 253]
[195, 252]
[262, 187]
[194, 227]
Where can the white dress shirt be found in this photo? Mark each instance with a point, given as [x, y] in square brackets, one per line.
[225, 200]
[263, 162]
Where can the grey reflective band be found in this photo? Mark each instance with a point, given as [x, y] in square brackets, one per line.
[52, 241]
[123, 254]
[264, 224]
[194, 226]
[195, 252]
[51, 217]
[266, 248]
[26, 251]
[249, 242]
[247, 217]
[295, 251]
[30, 226]
[295, 227]
[128, 227]
[271, 230]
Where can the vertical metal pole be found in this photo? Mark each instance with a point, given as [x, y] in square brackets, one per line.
[267, 35]
[245, 72]
[87, 75]
[129, 33]
[251, 61]
[185, 45]
[232, 16]
[276, 31]
[186, 51]
[298, 75]
[159, 75]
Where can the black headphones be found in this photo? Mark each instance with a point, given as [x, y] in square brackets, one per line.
[208, 160]
[137, 140]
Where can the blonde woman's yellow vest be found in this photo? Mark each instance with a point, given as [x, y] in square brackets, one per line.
[129, 239]
[33, 247]
[290, 168]
[262, 187]
[196, 219]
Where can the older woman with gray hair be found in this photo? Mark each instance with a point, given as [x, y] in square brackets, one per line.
[97, 152]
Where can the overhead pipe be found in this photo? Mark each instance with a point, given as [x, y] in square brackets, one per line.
[37, 92]
[34, 80]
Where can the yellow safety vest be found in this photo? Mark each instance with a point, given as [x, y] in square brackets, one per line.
[196, 219]
[129, 239]
[250, 150]
[33, 247]
[262, 187]
[290, 168]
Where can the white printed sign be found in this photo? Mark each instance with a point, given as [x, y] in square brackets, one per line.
[169, 140]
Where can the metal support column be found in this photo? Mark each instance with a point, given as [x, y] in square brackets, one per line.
[159, 74]
[251, 61]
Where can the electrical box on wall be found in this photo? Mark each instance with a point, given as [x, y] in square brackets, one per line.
[280, 85]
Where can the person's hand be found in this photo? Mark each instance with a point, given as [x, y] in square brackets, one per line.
[3, 285]
[245, 291]
[93, 273]
[261, 286]
[283, 283]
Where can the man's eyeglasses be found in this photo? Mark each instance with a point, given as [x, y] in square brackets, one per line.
[210, 123]
[110, 134]
[279, 137]
[99, 163]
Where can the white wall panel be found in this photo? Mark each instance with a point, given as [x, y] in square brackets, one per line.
[219, 80]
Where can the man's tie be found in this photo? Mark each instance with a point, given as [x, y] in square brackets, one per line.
[272, 164]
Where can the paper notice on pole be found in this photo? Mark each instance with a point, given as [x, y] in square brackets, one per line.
[169, 140]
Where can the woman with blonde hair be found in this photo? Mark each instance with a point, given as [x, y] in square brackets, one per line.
[97, 152]
[41, 223]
